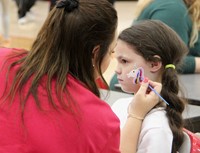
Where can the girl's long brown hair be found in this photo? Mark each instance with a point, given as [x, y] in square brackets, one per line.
[152, 38]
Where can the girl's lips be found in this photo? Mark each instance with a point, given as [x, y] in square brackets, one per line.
[119, 79]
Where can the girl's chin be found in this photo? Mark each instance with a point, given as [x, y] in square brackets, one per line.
[131, 91]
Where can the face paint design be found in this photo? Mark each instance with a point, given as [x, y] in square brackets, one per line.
[137, 74]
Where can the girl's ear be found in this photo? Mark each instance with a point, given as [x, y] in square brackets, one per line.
[156, 65]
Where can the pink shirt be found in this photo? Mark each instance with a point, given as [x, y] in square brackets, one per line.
[94, 130]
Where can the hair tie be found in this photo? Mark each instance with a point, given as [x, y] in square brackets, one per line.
[68, 5]
[170, 66]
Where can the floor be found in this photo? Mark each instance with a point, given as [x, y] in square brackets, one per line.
[22, 36]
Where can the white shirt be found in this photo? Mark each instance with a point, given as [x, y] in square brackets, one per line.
[156, 135]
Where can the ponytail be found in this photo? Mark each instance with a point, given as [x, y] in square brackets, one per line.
[176, 106]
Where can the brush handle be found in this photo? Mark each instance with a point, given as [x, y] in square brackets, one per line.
[158, 94]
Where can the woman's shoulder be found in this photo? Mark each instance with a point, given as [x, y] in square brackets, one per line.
[100, 126]
[89, 103]
[4, 52]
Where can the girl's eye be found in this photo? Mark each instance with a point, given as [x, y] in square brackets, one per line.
[124, 61]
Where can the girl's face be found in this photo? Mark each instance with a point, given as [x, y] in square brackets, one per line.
[128, 58]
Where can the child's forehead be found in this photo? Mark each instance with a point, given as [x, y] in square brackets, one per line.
[123, 45]
[127, 54]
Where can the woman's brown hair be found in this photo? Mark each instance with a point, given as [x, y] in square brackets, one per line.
[65, 46]
[150, 38]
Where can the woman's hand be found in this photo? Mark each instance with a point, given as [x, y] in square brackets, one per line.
[144, 100]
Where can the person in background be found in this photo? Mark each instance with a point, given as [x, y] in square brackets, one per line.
[155, 51]
[5, 38]
[24, 10]
[49, 100]
[112, 1]
[183, 16]
[52, 4]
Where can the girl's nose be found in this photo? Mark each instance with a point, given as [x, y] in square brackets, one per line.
[118, 70]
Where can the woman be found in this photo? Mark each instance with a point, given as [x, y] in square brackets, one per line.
[49, 101]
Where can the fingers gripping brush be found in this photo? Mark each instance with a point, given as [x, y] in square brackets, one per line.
[138, 76]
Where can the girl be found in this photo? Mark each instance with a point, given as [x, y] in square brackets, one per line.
[183, 16]
[156, 49]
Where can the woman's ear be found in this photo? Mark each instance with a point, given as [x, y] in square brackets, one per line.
[156, 65]
[95, 53]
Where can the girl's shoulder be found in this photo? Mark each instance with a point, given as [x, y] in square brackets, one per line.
[156, 118]
[120, 109]
[122, 102]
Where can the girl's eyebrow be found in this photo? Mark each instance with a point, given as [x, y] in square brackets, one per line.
[118, 57]
[122, 56]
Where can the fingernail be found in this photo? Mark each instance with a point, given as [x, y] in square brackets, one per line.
[145, 80]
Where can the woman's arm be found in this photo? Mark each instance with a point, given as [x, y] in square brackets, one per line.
[142, 103]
